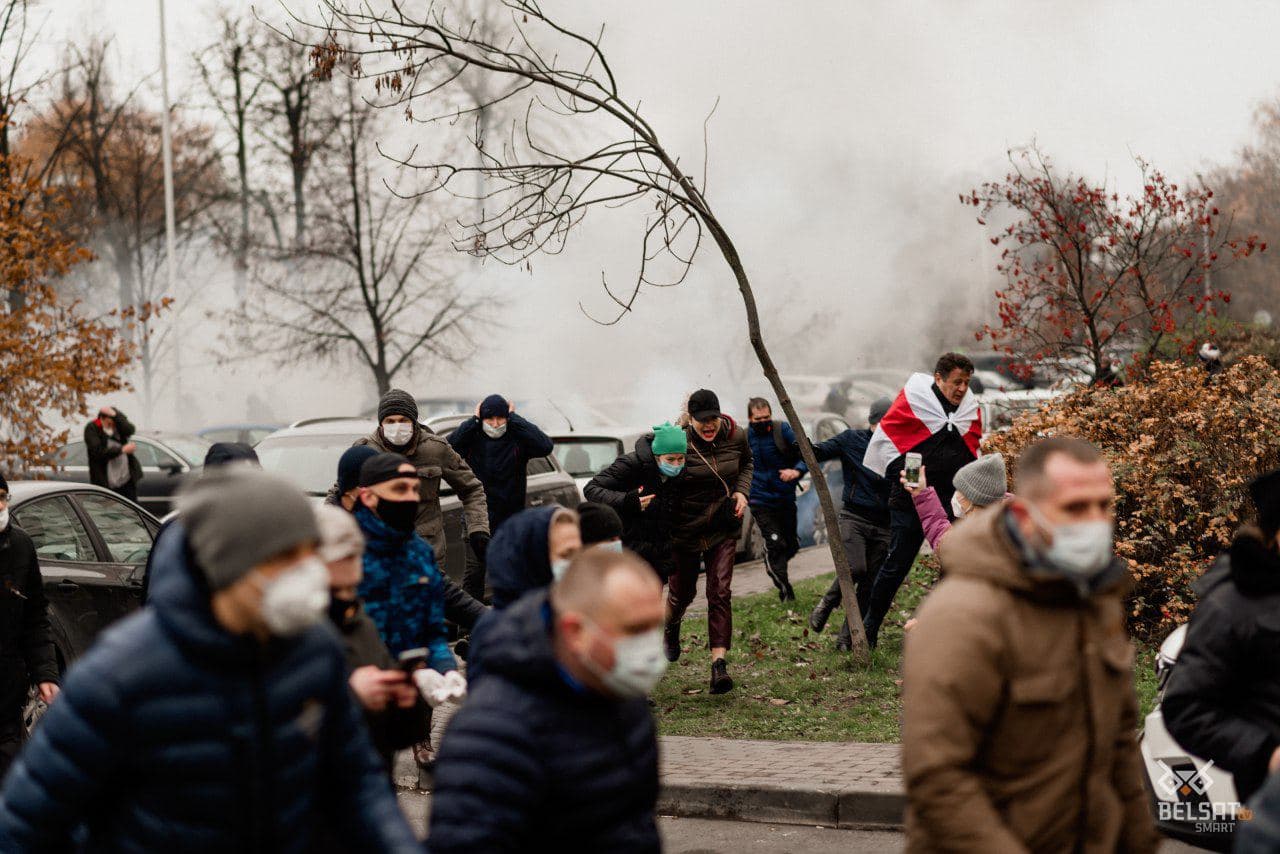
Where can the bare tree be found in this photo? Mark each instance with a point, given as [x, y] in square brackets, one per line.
[373, 279]
[541, 190]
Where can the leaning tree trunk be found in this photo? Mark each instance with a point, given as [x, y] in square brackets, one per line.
[861, 653]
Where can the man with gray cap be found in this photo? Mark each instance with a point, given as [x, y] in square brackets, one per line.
[434, 458]
[864, 518]
[218, 718]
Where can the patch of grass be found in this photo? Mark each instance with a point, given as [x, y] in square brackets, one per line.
[792, 685]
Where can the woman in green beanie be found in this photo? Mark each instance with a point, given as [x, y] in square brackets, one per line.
[642, 487]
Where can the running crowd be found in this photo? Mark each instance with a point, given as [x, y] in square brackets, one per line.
[286, 652]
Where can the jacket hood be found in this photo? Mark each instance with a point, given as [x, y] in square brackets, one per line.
[517, 560]
[518, 644]
[644, 450]
[181, 600]
[1254, 568]
[982, 547]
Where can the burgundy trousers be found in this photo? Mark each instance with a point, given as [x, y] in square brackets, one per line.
[682, 586]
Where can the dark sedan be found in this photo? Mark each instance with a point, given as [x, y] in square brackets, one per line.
[169, 461]
[92, 546]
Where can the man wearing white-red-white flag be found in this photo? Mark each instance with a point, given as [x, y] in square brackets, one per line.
[937, 417]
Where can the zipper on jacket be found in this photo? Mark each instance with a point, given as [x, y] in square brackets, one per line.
[1090, 735]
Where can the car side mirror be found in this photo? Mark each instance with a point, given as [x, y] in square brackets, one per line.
[173, 469]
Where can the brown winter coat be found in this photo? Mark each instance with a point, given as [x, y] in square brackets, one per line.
[435, 458]
[1019, 714]
[712, 472]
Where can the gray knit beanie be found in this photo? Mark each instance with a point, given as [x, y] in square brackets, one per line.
[236, 517]
[982, 481]
[397, 402]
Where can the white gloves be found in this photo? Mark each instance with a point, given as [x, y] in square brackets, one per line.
[438, 687]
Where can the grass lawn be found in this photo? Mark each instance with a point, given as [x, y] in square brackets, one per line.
[791, 684]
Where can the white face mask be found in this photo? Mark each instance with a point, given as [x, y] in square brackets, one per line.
[397, 434]
[638, 665]
[4, 518]
[297, 598]
[494, 432]
[559, 568]
[1078, 548]
[957, 509]
[611, 546]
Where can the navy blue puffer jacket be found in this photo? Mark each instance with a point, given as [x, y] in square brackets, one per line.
[533, 763]
[174, 735]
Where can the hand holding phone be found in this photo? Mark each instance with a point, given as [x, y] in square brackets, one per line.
[411, 659]
[912, 469]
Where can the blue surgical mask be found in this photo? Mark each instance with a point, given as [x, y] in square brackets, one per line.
[668, 469]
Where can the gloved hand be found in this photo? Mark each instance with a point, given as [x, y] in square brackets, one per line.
[438, 687]
[479, 544]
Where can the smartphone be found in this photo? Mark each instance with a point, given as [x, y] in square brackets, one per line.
[914, 461]
[411, 659]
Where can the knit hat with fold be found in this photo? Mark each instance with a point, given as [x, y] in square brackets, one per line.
[669, 439]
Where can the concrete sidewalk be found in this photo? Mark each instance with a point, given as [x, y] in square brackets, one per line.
[751, 578]
[831, 784]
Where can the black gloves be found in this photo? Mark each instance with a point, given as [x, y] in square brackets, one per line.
[479, 544]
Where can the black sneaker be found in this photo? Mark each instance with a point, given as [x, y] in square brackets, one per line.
[819, 616]
[720, 681]
[788, 593]
[671, 641]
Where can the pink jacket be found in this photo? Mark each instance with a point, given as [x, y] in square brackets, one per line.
[933, 518]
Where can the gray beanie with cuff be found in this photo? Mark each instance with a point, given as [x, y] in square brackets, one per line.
[237, 517]
[982, 481]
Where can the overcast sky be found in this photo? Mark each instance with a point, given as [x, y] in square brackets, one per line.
[844, 133]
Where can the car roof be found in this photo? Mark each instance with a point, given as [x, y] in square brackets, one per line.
[204, 430]
[21, 491]
[339, 426]
[597, 432]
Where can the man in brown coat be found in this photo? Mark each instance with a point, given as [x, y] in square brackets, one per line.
[1019, 712]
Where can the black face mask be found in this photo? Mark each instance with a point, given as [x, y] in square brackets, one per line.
[762, 428]
[398, 514]
[342, 611]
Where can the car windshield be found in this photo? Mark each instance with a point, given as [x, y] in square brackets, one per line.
[309, 461]
[586, 457]
[190, 448]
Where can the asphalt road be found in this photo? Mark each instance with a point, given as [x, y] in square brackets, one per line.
[700, 836]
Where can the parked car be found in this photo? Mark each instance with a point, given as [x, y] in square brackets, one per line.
[169, 461]
[248, 434]
[92, 546]
[851, 396]
[587, 453]
[811, 525]
[1193, 800]
[549, 415]
[308, 451]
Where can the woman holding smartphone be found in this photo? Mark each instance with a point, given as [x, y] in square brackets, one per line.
[710, 502]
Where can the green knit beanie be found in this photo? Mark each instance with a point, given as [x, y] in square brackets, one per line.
[669, 439]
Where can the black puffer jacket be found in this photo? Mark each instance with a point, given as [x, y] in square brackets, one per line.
[713, 471]
[531, 763]
[27, 655]
[1223, 697]
[645, 532]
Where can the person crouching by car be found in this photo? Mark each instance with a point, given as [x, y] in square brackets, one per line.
[1222, 701]
[708, 520]
[393, 709]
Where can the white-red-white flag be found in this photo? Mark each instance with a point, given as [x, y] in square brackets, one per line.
[916, 415]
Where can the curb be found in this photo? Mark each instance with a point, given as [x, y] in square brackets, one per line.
[873, 809]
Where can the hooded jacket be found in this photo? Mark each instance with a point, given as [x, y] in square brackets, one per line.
[1019, 714]
[533, 762]
[1222, 700]
[768, 489]
[27, 655]
[434, 458]
[519, 558]
[174, 735]
[96, 445]
[866, 494]
[645, 532]
[501, 464]
[713, 471]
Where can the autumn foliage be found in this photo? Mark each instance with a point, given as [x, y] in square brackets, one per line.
[1089, 273]
[1182, 450]
[51, 355]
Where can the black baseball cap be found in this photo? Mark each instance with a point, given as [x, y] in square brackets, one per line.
[382, 468]
[704, 405]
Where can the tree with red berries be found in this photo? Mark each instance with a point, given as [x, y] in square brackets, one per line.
[1088, 272]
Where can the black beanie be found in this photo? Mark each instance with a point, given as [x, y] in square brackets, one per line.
[382, 468]
[397, 402]
[598, 523]
[4, 484]
[349, 466]
[221, 453]
[1265, 492]
[495, 406]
